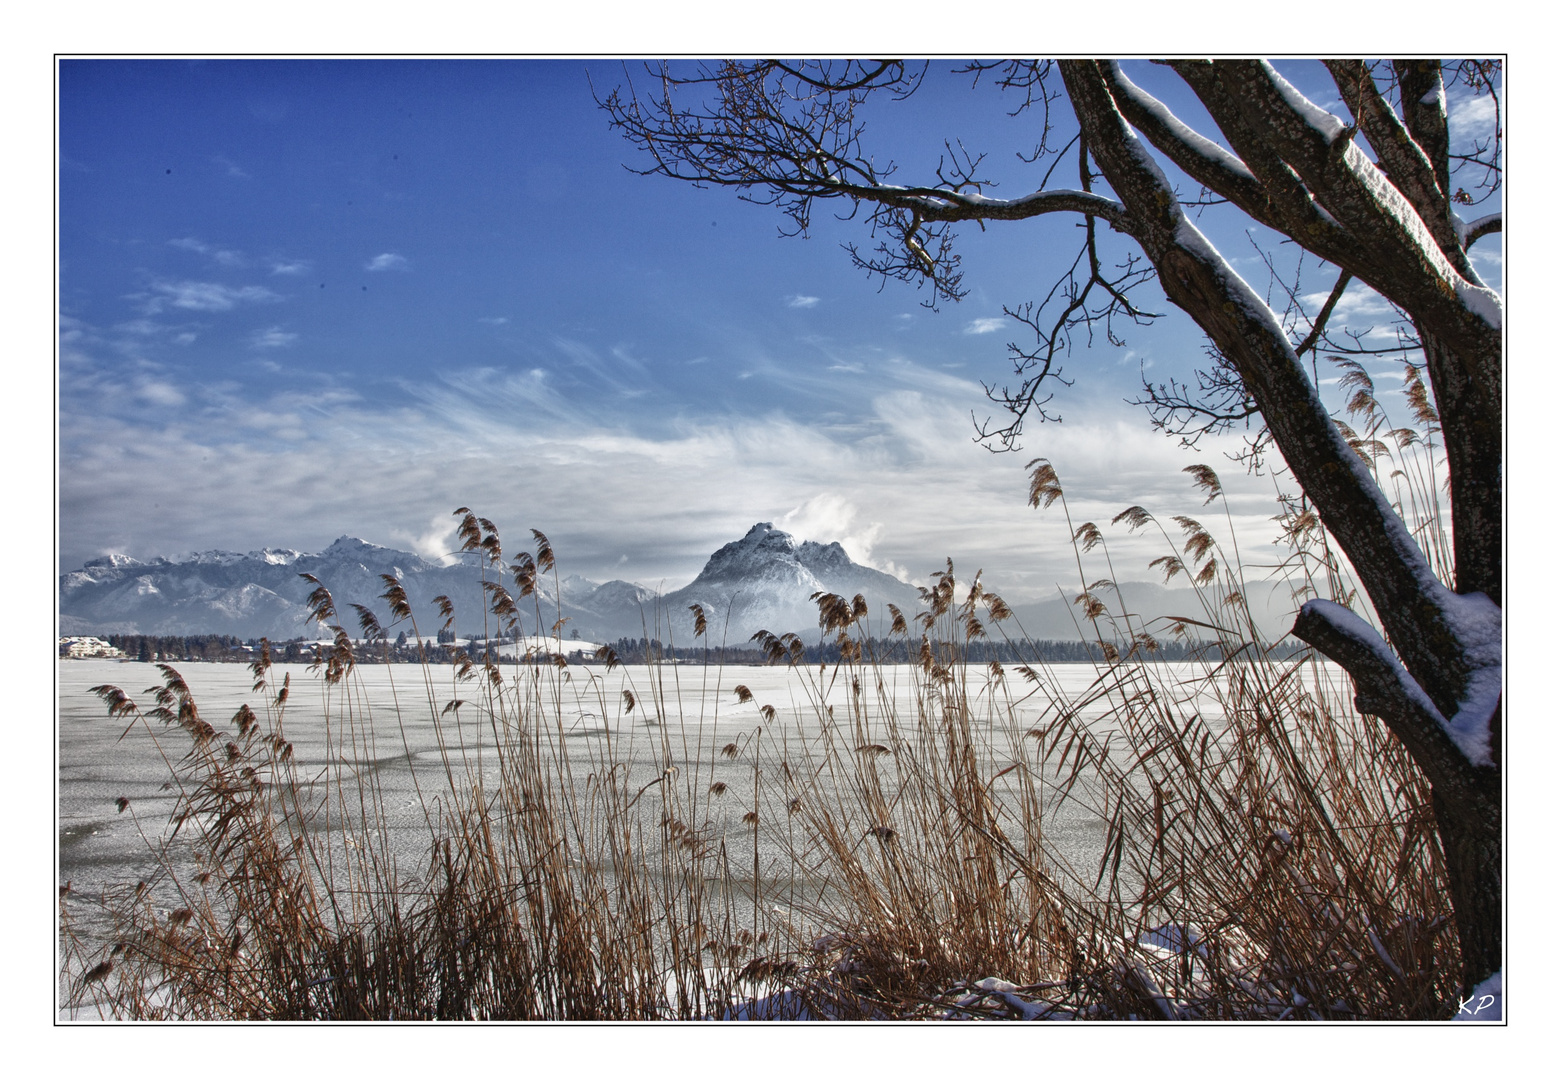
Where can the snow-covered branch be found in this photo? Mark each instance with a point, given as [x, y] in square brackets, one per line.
[1384, 688]
[1203, 159]
[935, 204]
[1482, 226]
[1398, 154]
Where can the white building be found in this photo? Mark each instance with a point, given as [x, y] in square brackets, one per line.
[77, 647]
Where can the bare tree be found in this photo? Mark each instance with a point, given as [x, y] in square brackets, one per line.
[1373, 197]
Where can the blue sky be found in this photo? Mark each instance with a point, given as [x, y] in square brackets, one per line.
[301, 299]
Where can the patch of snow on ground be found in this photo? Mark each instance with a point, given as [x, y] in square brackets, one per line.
[990, 992]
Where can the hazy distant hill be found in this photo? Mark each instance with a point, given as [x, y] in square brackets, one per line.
[1147, 605]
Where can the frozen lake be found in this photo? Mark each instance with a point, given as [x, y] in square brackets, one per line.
[391, 722]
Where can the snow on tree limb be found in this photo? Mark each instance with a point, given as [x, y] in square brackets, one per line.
[937, 204]
[1398, 154]
[1482, 226]
[1203, 159]
[1322, 151]
[1384, 688]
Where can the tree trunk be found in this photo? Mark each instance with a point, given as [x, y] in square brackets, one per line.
[1471, 846]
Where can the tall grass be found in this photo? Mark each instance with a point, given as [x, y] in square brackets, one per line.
[1265, 852]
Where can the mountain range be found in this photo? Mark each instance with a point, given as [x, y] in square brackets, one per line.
[762, 581]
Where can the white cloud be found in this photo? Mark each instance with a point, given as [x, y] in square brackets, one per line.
[1361, 309]
[435, 543]
[984, 326]
[801, 301]
[230, 167]
[156, 392]
[1471, 117]
[204, 296]
[222, 256]
[388, 261]
[493, 320]
[281, 425]
[831, 518]
[898, 483]
[272, 338]
[292, 268]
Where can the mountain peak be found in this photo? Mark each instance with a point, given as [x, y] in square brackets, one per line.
[351, 543]
[823, 558]
[764, 547]
[113, 560]
[765, 533]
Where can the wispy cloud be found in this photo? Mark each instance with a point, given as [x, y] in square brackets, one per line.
[599, 489]
[619, 373]
[158, 392]
[203, 296]
[221, 256]
[984, 326]
[830, 517]
[271, 338]
[801, 301]
[230, 167]
[291, 268]
[1361, 310]
[1471, 117]
[139, 327]
[493, 320]
[388, 261]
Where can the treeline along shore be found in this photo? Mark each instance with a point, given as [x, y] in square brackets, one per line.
[225, 648]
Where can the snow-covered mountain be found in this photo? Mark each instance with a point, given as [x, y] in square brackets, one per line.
[762, 581]
[256, 594]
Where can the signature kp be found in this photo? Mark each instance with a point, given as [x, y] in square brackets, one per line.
[1484, 1002]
